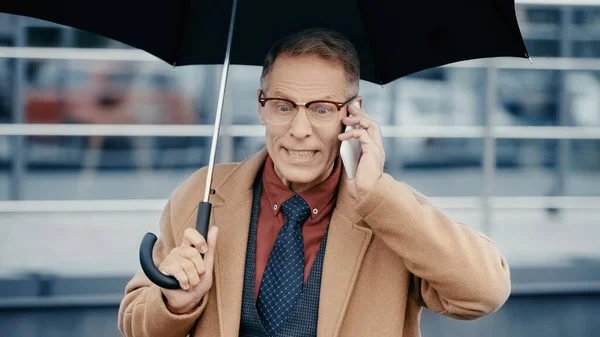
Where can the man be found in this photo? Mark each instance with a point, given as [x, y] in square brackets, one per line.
[303, 250]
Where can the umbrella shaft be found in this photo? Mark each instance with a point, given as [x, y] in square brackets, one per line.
[213, 148]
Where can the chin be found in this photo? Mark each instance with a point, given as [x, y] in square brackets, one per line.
[299, 175]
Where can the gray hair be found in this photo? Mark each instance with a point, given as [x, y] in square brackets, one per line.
[324, 43]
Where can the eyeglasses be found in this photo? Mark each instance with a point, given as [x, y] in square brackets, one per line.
[280, 111]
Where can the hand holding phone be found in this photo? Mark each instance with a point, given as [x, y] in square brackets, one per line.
[362, 146]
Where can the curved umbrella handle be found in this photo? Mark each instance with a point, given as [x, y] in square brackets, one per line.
[147, 246]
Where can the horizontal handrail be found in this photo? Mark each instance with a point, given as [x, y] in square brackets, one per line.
[142, 205]
[397, 131]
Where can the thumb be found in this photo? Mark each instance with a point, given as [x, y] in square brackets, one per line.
[209, 258]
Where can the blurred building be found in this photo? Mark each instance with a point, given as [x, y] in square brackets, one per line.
[90, 149]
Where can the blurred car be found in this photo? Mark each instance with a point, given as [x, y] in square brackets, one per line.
[106, 93]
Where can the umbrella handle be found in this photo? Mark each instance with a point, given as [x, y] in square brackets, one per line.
[147, 246]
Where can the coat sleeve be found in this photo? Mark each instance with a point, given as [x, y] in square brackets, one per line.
[142, 312]
[457, 272]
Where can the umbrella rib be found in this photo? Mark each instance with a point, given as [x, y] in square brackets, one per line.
[182, 32]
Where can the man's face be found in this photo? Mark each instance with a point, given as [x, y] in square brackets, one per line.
[304, 154]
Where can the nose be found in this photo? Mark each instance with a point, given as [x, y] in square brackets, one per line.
[300, 126]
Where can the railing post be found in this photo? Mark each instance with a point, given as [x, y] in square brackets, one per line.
[489, 149]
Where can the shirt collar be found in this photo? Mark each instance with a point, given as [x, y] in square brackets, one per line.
[317, 197]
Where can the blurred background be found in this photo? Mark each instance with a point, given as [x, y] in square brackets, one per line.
[95, 135]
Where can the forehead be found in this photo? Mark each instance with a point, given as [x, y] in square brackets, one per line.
[307, 74]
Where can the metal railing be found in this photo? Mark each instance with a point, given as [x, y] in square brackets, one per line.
[396, 131]
[157, 205]
[488, 132]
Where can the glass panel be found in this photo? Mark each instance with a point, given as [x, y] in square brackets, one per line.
[583, 95]
[438, 97]
[586, 49]
[437, 166]
[44, 36]
[548, 16]
[586, 32]
[538, 23]
[98, 167]
[525, 167]
[5, 168]
[583, 174]
[528, 97]
[241, 96]
[244, 147]
[588, 17]
[6, 94]
[542, 47]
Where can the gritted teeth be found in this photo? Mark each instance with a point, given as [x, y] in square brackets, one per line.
[301, 153]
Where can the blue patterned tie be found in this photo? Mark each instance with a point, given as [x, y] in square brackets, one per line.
[283, 279]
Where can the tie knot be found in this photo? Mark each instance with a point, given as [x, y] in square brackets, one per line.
[296, 209]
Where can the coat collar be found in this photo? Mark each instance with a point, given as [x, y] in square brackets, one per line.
[346, 246]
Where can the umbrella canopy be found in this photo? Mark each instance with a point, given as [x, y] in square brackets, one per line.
[393, 38]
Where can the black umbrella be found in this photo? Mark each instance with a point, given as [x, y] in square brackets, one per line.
[393, 39]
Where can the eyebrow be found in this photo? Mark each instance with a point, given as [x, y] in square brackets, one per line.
[278, 93]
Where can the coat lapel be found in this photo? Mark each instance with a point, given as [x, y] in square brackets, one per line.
[347, 244]
[233, 220]
[232, 206]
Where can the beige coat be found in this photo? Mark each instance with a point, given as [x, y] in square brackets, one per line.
[386, 258]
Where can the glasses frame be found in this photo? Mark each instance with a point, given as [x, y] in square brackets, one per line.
[263, 100]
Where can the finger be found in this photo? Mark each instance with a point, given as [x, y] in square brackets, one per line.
[190, 270]
[355, 110]
[361, 134]
[191, 237]
[358, 116]
[193, 255]
[363, 122]
[176, 271]
[209, 258]
[370, 125]
[374, 131]
[165, 270]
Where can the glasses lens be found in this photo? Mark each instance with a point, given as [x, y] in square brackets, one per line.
[323, 113]
[279, 111]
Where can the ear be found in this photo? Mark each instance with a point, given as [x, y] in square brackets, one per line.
[359, 99]
[261, 118]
